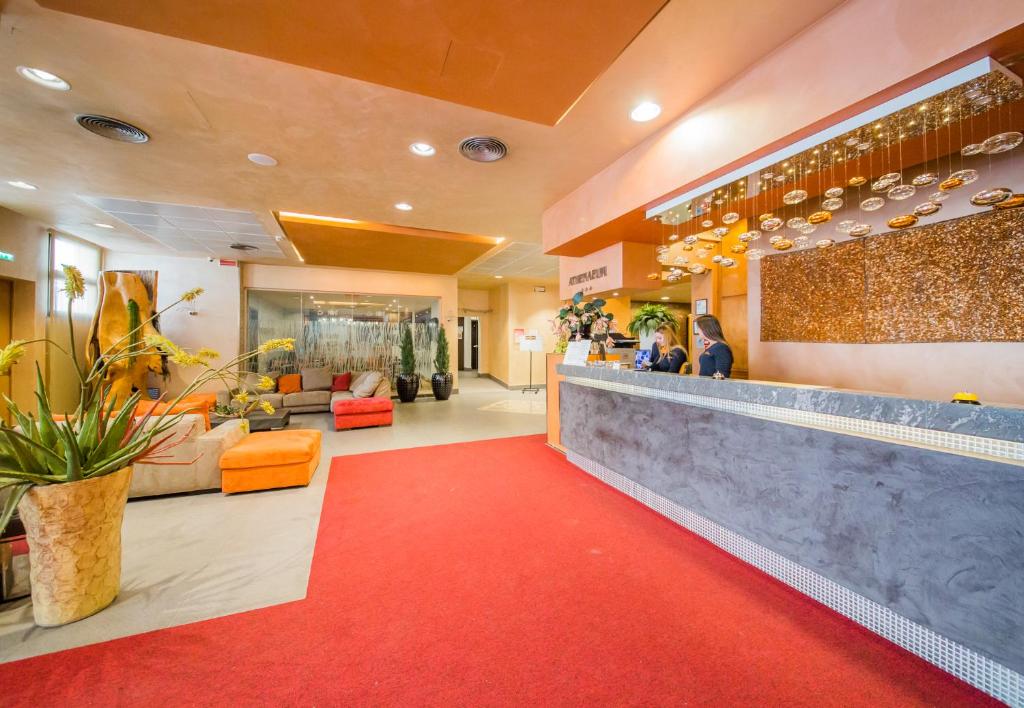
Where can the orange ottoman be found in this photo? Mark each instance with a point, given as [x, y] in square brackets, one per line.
[271, 460]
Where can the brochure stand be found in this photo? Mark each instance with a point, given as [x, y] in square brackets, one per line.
[531, 342]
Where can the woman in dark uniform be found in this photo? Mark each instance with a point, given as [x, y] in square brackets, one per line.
[667, 354]
[717, 358]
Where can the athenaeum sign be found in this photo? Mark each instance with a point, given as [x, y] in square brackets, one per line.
[621, 265]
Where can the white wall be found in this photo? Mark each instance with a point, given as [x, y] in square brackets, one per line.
[216, 324]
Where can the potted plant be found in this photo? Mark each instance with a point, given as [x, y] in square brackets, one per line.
[408, 383]
[583, 320]
[649, 317]
[442, 379]
[68, 475]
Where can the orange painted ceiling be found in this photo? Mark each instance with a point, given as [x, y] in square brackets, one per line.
[382, 246]
[342, 143]
[529, 60]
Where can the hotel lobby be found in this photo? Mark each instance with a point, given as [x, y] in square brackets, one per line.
[511, 353]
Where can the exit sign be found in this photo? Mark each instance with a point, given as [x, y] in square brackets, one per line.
[5, 256]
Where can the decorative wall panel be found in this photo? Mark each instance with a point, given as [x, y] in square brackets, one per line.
[814, 296]
[955, 281]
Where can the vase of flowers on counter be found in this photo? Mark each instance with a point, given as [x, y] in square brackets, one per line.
[578, 320]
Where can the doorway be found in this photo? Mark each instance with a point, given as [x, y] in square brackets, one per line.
[469, 343]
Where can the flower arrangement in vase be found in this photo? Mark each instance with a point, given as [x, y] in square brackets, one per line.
[583, 320]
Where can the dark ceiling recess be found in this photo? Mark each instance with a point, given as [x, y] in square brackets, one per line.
[483, 149]
[112, 128]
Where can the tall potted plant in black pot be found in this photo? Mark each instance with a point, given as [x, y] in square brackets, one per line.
[408, 383]
[442, 379]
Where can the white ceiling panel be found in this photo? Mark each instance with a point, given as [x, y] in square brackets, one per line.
[526, 260]
[184, 228]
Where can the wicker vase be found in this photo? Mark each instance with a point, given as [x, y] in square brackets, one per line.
[74, 543]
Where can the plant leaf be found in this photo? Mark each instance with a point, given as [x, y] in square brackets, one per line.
[12, 503]
[20, 446]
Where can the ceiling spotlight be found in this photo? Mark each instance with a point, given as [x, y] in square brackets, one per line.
[500, 239]
[43, 78]
[422, 149]
[665, 297]
[403, 206]
[615, 294]
[499, 277]
[21, 185]
[645, 111]
[103, 226]
[262, 160]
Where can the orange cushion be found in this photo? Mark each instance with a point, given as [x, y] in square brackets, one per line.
[207, 399]
[157, 408]
[275, 447]
[289, 383]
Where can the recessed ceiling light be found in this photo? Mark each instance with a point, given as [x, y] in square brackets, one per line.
[500, 239]
[262, 160]
[422, 149]
[402, 206]
[645, 111]
[499, 277]
[21, 185]
[43, 78]
[615, 294]
[103, 226]
[665, 297]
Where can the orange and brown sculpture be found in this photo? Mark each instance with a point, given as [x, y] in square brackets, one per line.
[125, 301]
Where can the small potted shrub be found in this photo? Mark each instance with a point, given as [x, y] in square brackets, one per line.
[442, 379]
[408, 383]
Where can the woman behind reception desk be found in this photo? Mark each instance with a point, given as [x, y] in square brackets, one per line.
[717, 358]
[667, 354]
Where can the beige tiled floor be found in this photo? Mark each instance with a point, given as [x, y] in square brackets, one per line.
[195, 557]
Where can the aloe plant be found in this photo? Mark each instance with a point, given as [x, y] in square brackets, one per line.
[97, 440]
[649, 317]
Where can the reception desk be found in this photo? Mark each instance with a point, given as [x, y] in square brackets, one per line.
[906, 516]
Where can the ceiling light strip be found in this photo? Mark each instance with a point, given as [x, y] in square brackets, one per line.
[316, 217]
[922, 93]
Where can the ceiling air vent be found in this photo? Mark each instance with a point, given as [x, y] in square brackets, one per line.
[243, 247]
[112, 128]
[483, 149]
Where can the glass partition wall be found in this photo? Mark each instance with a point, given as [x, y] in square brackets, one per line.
[343, 331]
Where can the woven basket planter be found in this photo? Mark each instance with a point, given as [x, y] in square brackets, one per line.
[74, 542]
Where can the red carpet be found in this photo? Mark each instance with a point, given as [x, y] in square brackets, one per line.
[495, 573]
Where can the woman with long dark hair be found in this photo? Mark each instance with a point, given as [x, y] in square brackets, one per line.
[717, 357]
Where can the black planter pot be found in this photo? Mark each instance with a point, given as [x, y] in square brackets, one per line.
[442, 385]
[408, 386]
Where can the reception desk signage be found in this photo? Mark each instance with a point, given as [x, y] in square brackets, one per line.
[620, 266]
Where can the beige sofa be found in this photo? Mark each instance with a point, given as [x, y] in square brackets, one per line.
[193, 464]
[318, 401]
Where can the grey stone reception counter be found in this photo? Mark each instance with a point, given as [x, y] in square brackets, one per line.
[905, 515]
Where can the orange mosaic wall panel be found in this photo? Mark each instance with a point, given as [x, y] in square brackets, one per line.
[814, 296]
[960, 280]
